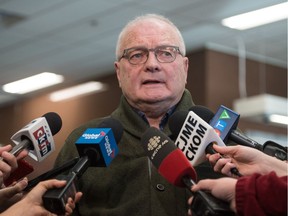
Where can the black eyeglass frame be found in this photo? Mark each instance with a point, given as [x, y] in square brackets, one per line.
[175, 51]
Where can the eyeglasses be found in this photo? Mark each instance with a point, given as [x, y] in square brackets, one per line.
[139, 55]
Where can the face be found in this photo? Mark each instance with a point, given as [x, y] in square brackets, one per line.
[152, 82]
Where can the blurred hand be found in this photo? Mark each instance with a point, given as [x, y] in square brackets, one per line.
[12, 194]
[222, 188]
[8, 162]
[32, 203]
[246, 159]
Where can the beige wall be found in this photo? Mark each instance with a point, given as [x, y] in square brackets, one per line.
[212, 80]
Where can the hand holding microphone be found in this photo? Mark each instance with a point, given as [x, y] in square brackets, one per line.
[225, 123]
[174, 166]
[248, 160]
[36, 138]
[8, 162]
[222, 188]
[97, 147]
[32, 203]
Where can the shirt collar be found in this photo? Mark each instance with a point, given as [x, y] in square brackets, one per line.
[163, 120]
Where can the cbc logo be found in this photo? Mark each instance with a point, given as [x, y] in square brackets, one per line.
[153, 142]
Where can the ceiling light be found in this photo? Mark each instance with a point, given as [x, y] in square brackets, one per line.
[82, 89]
[280, 119]
[263, 108]
[258, 17]
[33, 83]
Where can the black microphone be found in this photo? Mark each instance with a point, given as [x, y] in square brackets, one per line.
[97, 147]
[275, 150]
[225, 122]
[173, 166]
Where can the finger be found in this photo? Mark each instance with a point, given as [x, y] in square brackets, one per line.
[202, 184]
[225, 150]
[5, 169]
[11, 191]
[5, 148]
[1, 179]
[227, 168]
[22, 154]
[48, 184]
[10, 159]
[190, 200]
[69, 206]
[214, 158]
[220, 164]
[205, 184]
[78, 196]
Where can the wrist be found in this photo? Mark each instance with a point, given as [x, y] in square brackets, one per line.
[276, 165]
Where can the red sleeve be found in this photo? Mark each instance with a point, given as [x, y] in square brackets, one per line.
[261, 195]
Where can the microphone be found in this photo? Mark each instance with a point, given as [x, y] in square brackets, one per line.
[225, 122]
[276, 150]
[174, 166]
[195, 137]
[97, 147]
[99, 144]
[37, 136]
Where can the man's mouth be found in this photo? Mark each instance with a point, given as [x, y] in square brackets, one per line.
[151, 82]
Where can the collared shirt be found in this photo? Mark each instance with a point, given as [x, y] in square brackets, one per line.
[163, 120]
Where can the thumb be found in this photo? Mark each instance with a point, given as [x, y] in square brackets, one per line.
[48, 184]
[224, 150]
[205, 184]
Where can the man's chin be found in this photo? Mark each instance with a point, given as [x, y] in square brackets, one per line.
[155, 98]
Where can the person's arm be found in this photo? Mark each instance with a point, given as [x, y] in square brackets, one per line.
[261, 195]
[247, 160]
[32, 204]
[250, 195]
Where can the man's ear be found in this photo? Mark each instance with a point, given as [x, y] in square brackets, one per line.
[117, 70]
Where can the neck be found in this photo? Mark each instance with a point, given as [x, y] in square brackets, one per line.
[153, 112]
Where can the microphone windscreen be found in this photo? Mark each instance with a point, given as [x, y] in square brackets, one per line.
[166, 157]
[203, 112]
[115, 125]
[176, 121]
[54, 121]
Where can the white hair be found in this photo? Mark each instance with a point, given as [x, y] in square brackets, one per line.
[155, 17]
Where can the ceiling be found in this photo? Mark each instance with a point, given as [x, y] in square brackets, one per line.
[76, 38]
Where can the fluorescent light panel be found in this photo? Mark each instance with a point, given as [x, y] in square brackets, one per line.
[258, 17]
[280, 119]
[33, 83]
[78, 90]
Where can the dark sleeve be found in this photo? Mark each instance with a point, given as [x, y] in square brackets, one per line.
[261, 195]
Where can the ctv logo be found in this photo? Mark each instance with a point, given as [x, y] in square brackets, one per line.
[221, 123]
[42, 140]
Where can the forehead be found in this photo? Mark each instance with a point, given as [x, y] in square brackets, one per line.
[149, 33]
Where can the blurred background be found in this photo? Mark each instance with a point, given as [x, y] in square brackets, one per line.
[74, 41]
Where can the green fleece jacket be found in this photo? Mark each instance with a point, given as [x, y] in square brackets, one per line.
[130, 185]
